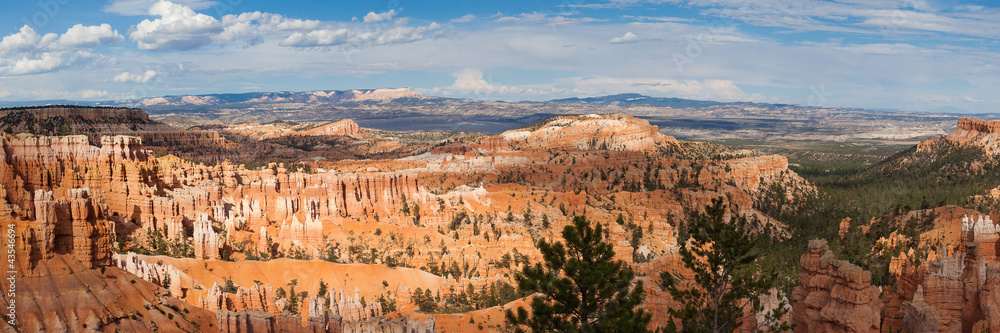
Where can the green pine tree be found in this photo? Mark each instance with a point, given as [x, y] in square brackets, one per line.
[723, 258]
[580, 288]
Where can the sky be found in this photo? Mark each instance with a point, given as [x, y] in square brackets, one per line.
[911, 55]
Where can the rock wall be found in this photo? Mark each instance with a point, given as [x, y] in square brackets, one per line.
[920, 317]
[833, 295]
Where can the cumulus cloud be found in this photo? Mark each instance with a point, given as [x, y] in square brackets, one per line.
[341, 36]
[91, 94]
[84, 36]
[137, 78]
[470, 82]
[45, 62]
[28, 52]
[141, 7]
[315, 38]
[372, 17]
[629, 37]
[178, 28]
[464, 18]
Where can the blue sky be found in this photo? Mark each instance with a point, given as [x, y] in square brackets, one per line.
[915, 55]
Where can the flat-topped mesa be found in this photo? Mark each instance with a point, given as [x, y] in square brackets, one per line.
[606, 132]
[984, 133]
[103, 115]
[982, 126]
[833, 295]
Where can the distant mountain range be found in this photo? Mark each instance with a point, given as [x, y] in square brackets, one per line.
[399, 95]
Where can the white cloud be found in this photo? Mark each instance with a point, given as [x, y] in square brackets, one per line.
[882, 17]
[470, 82]
[84, 36]
[24, 40]
[178, 28]
[297, 24]
[91, 94]
[372, 17]
[141, 7]
[324, 37]
[137, 78]
[181, 28]
[27, 52]
[543, 18]
[45, 62]
[629, 37]
[464, 18]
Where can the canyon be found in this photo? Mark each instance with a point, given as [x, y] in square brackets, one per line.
[447, 219]
[356, 240]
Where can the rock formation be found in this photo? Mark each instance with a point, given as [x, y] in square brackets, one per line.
[833, 295]
[984, 233]
[983, 133]
[206, 240]
[614, 132]
[920, 316]
[457, 209]
[167, 276]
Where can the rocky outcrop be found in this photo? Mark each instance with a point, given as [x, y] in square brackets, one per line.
[833, 295]
[989, 298]
[983, 133]
[257, 297]
[920, 316]
[984, 233]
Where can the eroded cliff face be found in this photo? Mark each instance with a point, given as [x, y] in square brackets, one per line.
[834, 295]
